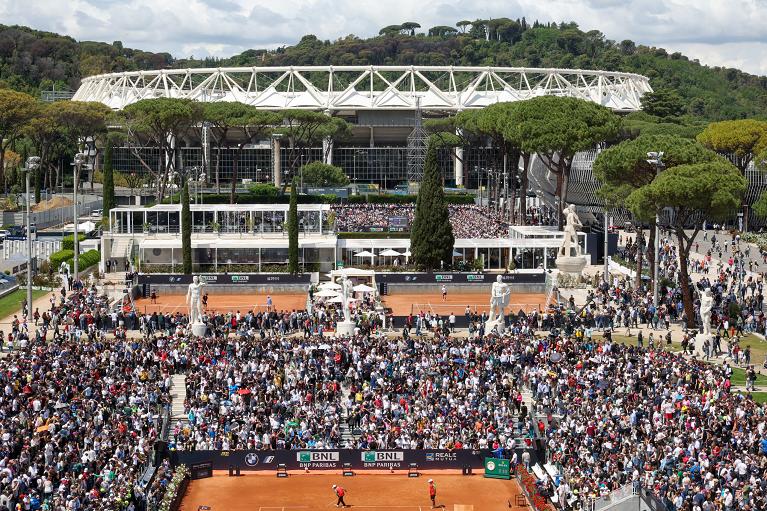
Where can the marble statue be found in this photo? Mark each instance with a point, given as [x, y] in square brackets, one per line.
[194, 300]
[347, 292]
[570, 246]
[500, 294]
[706, 303]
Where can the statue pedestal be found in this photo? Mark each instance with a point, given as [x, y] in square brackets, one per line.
[497, 323]
[198, 329]
[571, 264]
[345, 328]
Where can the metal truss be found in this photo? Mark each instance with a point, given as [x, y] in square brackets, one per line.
[350, 88]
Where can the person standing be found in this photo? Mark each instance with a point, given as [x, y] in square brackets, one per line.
[433, 493]
[340, 492]
[444, 293]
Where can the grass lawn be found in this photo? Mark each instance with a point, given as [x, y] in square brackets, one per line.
[759, 397]
[12, 303]
[739, 378]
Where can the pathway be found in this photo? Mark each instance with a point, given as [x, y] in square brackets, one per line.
[178, 397]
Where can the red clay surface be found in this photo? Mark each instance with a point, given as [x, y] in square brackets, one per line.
[313, 492]
[223, 303]
[403, 303]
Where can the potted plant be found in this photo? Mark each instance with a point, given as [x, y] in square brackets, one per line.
[215, 227]
[146, 227]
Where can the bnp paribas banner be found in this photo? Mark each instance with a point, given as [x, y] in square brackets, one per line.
[425, 459]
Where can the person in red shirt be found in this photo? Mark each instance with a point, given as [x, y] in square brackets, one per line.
[432, 493]
[340, 492]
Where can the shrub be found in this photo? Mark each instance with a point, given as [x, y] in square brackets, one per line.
[68, 242]
[88, 259]
[62, 255]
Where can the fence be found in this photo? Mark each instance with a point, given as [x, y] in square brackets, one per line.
[40, 249]
[51, 217]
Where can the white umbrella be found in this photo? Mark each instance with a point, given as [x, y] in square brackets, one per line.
[456, 253]
[363, 288]
[326, 293]
[330, 285]
[364, 253]
[390, 253]
[407, 253]
[337, 299]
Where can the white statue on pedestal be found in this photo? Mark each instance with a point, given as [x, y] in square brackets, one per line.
[194, 300]
[500, 294]
[706, 303]
[347, 292]
[570, 256]
[570, 246]
[346, 327]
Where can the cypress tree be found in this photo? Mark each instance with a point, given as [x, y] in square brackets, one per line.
[186, 229]
[108, 202]
[293, 229]
[431, 236]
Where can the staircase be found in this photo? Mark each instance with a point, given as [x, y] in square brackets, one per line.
[121, 248]
[178, 396]
[347, 437]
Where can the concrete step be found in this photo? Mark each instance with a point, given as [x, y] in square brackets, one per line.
[178, 396]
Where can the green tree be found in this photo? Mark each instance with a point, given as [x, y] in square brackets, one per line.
[186, 229]
[710, 190]
[557, 128]
[108, 201]
[623, 168]
[293, 229]
[160, 123]
[431, 236]
[739, 140]
[663, 103]
[16, 110]
[305, 128]
[245, 123]
[323, 175]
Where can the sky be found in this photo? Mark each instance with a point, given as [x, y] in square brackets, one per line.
[716, 32]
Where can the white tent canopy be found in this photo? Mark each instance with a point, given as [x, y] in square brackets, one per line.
[324, 293]
[362, 288]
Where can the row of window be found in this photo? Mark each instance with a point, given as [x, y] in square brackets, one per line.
[385, 166]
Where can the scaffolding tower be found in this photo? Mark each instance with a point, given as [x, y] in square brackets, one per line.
[416, 147]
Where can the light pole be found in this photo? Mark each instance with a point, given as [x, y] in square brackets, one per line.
[80, 159]
[656, 158]
[607, 262]
[32, 164]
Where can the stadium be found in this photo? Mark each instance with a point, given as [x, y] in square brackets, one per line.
[384, 105]
[358, 376]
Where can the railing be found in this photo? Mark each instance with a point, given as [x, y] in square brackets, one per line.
[614, 497]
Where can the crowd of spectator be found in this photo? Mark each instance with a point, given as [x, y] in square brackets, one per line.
[80, 413]
[468, 221]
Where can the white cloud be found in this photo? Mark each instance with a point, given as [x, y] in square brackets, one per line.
[714, 31]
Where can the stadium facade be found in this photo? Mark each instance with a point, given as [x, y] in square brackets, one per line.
[383, 105]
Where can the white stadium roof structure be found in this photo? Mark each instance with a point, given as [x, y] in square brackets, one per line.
[338, 89]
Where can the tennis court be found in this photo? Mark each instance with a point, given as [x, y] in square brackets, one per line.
[263, 491]
[224, 303]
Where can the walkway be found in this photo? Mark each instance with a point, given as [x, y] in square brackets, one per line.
[178, 397]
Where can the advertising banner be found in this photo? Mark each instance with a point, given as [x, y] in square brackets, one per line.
[460, 278]
[224, 279]
[497, 468]
[425, 459]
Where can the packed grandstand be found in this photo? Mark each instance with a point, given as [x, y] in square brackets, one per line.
[87, 396]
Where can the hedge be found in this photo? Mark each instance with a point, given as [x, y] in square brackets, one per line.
[68, 242]
[61, 256]
[85, 261]
[88, 259]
